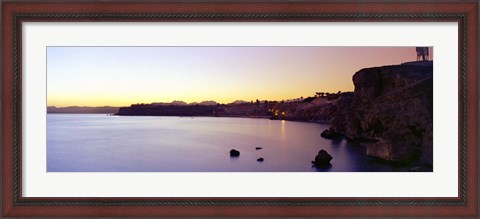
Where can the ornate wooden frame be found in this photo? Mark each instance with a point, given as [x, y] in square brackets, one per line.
[16, 12]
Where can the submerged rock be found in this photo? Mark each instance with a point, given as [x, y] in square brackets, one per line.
[260, 159]
[323, 158]
[234, 153]
[258, 148]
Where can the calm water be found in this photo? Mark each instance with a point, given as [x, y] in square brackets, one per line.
[101, 143]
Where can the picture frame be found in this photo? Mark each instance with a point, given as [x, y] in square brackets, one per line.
[14, 13]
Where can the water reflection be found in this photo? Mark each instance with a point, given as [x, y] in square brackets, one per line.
[283, 129]
[99, 143]
[336, 141]
[323, 168]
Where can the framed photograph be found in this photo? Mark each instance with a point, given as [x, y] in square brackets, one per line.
[239, 108]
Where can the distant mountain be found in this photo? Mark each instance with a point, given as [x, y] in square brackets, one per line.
[83, 109]
[239, 102]
[173, 103]
[183, 103]
[178, 103]
[208, 103]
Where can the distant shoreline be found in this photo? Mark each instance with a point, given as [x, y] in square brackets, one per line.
[232, 116]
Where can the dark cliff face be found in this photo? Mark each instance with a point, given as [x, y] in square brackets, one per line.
[392, 105]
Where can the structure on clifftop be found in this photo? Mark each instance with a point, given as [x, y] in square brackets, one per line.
[422, 54]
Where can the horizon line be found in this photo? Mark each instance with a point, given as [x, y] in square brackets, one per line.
[194, 102]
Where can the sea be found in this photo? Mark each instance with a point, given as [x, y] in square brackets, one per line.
[107, 143]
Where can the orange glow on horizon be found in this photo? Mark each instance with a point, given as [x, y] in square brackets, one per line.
[119, 101]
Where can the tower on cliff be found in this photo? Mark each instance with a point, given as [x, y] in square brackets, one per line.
[422, 53]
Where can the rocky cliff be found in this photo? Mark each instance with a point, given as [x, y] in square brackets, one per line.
[393, 107]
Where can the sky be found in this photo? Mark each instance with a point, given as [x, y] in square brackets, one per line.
[121, 76]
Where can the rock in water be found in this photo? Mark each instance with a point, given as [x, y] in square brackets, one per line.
[234, 153]
[258, 148]
[329, 134]
[260, 159]
[323, 158]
